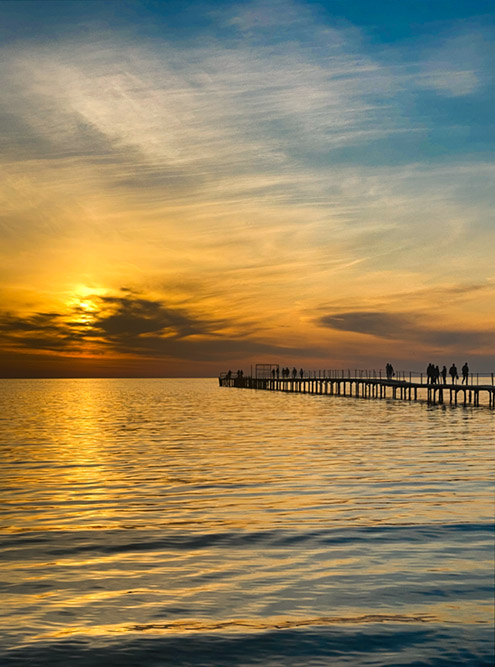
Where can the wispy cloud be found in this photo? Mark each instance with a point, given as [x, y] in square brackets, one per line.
[255, 169]
[457, 63]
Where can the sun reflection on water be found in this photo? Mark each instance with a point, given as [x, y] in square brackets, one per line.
[172, 507]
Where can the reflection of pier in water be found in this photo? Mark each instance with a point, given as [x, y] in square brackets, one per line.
[361, 385]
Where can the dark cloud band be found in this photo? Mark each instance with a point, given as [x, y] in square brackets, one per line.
[409, 327]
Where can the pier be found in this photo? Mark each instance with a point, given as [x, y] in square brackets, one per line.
[337, 383]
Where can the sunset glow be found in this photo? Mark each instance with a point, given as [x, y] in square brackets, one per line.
[188, 187]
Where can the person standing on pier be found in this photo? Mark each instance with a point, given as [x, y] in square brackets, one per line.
[430, 373]
[444, 374]
[453, 373]
[390, 371]
[294, 372]
[465, 373]
[301, 373]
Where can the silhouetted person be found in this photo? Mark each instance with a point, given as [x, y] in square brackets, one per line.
[390, 371]
[278, 372]
[453, 373]
[294, 372]
[429, 374]
[273, 373]
[229, 375]
[444, 374]
[433, 373]
[301, 373]
[465, 373]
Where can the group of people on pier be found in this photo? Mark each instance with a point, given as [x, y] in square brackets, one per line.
[433, 374]
[389, 370]
[286, 373]
[239, 374]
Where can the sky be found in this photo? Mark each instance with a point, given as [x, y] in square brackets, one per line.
[188, 187]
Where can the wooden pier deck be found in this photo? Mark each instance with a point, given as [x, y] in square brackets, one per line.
[454, 394]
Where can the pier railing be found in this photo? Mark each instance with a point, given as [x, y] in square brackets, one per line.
[405, 385]
[374, 374]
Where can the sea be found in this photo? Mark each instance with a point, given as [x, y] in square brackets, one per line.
[150, 522]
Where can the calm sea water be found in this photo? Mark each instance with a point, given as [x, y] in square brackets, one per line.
[173, 522]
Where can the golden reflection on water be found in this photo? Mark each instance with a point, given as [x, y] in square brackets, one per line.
[474, 613]
[178, 507]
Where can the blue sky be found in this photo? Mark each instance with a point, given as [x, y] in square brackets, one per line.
[335, 159]
[401, 36]
[385, 20]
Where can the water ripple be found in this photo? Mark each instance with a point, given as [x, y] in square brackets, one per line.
[171, 522]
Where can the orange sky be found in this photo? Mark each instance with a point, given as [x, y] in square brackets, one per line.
[274, 187]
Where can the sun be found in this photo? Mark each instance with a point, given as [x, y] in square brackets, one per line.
[83, 306]
[86, 311]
